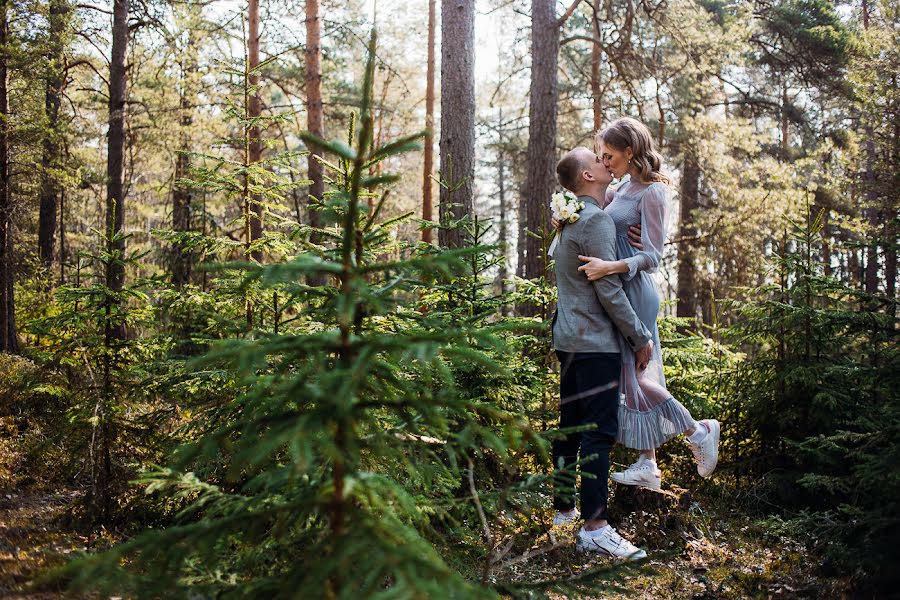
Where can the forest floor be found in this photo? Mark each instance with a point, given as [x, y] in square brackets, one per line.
[700, 555]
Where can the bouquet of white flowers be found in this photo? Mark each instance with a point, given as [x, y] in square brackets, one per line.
[565, 207]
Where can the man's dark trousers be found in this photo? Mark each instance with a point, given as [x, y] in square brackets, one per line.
[589, 395]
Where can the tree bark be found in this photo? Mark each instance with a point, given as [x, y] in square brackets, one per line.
[871, 210]
[314, 110]
[182, 258]
[54, 81]
[785, 124]
[503, 235]
[457, 141]
[115, 165]
[427, 183]
[596, 56]
[8, 338]
[540, 160]
[688, 281]
[253, 112]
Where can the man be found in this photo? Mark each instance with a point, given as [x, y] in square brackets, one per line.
[591, 318]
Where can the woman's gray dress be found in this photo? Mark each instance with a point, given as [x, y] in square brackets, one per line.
[648, 415]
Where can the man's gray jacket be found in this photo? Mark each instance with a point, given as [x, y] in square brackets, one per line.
[591, 315]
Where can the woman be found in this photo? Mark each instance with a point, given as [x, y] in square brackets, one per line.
[650, 415]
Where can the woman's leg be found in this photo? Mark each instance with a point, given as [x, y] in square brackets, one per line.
[657, 394]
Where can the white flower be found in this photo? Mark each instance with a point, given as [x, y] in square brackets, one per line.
[564, 206]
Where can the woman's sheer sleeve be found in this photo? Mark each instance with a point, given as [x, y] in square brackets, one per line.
[654, 224]
[608, 197]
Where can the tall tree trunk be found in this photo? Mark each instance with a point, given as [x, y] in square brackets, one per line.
[182, 258]
[890, 223]
[314, 112]
[55, 77]
[62, 236]
[871, 209]
[872, 213]
[521, 234]
[427, 184]
[688, 282]
[596, 57]
[457, 142]
[8, 338]
[115, 165]
[101, 441]
[315, 116]
[785, 123]
[540, 154]
[503, 235]
[253, 112]
[540, 157]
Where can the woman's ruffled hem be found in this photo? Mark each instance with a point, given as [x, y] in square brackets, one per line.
[650, 429]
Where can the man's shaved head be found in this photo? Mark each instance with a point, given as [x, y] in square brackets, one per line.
[571, 166]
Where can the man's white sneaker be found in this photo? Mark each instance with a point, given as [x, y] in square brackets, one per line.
[643, 473]
[608, 541]
[564, 518]
[706, 452]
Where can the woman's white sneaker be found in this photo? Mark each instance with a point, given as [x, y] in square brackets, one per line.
[643, 473]
[706, 452]
[608, 541]
[564, 518]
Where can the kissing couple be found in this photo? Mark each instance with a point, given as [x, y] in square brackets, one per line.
[605, 334]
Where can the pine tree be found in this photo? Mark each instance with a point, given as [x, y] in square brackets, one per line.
[349, 455]
[821, 402]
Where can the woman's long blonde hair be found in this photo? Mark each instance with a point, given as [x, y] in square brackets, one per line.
[629, 133]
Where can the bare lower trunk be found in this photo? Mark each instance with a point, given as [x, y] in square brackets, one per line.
[50, 188]
[8, 338]
[457, 142]
[872, 214]
[687, 268]
[540, 160]
[427, 184]
[315, 115]
[182, 258]
[596, 57]
[253, 112]
[503, 235]
[101, 462]
[115, 166]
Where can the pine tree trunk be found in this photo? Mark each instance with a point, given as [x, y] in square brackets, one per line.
[457, 142]
[890, 229]
[596, 56]
[871, 212]
[101, 461]
[427, 183]
[49, 196]
[540, 157]
[8, 338]
[115, 165]
[687, 268]
[115, 161]
[314, 110]
[182, 259]
[253, 112]
[503, 235]
[785, 124]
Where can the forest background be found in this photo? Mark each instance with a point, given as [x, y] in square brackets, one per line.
[294, 344]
